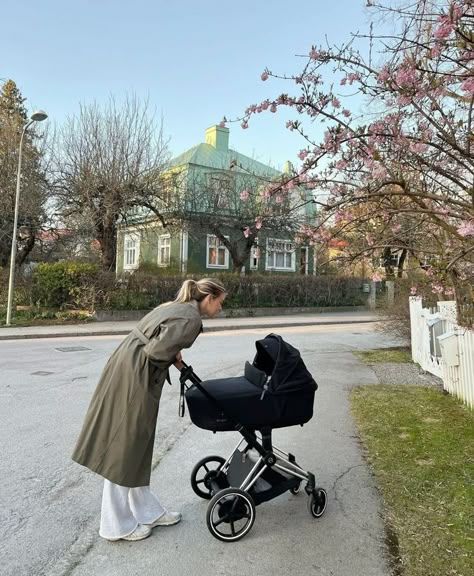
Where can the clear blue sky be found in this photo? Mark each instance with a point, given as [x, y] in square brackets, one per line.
[195, 61]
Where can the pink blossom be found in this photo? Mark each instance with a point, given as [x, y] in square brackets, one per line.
[273, 108]
[437, 287]
[396, 228]
[336, 103]
[244, 124]
[468, 85]
[256, 253]
[383, 75]
[222, 122]
[278, 199]
[258, 223]
[346, 113]
[244, 195]
[247, 232]
[264, 75]
[377, 277]
[466, 228]
[413, 290]
[302, 154]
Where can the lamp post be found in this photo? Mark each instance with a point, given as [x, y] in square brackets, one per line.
[37, 116]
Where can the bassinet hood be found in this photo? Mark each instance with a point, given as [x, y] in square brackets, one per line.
[283, 364]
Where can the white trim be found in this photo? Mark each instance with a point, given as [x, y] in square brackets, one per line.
[285, 251]
[306, 250]
[226, 253]
[183, 242]
[135, 250]
[160, 246]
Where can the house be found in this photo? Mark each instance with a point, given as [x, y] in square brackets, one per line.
[209, 214]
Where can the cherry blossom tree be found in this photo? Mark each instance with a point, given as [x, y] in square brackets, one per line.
[400, 173]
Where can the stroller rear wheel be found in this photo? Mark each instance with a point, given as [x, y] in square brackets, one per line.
[230, 514]
[317, 502]
[205, 471]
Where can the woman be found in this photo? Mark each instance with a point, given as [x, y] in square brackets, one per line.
[117, 437]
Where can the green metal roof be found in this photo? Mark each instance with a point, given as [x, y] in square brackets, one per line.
[207, 156]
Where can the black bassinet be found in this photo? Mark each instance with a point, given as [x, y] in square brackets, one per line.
[276, 391]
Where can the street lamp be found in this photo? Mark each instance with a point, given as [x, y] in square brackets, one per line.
[37, 116]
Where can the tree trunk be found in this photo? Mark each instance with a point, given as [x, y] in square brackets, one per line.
[107, 238]
[401, 263]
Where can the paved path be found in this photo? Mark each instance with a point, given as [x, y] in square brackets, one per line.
[216, 324]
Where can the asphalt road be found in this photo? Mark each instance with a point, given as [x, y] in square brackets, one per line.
[50, 505]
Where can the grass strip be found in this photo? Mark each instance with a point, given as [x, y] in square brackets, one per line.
[420, 446]
[382, 355]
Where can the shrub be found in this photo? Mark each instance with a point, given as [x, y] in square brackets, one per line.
[66, 284]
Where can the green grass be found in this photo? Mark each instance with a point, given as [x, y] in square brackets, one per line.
[420, 446]
[398, 355]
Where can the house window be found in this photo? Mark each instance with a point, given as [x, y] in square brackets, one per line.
[220, 187]
[131, 251]
[217, 253]
[254, 257]
[164, 250]
[280, 255]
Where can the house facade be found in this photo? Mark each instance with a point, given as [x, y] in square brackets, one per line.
[202, 204]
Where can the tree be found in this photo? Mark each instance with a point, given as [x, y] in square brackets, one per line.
[108, 162]
[34, 186]
[411, 151]
[234, 206]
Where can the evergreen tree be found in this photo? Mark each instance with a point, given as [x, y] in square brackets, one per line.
[13, 117]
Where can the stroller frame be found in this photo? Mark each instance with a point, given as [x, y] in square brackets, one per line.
[231, 511]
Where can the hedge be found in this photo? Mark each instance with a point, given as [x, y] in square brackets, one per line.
[82, 286]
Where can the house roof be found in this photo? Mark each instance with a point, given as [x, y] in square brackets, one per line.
[218, 156]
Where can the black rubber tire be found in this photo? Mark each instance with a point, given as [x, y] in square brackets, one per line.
[317, 502]
[197, 481]
[296, 490]
[226, 508]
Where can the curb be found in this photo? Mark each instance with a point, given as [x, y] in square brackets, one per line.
[206, 330]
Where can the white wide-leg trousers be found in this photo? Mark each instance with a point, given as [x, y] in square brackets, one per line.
[124, 508]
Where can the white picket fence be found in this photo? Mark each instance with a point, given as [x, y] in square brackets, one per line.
[443, 348]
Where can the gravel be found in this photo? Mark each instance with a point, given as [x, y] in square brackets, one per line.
[404, 373]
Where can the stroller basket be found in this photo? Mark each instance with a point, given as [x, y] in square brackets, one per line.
[275, 391]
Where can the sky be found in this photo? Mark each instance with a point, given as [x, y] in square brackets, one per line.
[194, 61]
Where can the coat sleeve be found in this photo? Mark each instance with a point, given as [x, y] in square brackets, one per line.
[174, 335]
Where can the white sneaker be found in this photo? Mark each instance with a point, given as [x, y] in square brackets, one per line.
[141, 532]
[166, 519]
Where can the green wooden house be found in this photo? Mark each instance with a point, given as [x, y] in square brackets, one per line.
[202, 201]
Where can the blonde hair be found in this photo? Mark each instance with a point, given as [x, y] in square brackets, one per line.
[198, 290]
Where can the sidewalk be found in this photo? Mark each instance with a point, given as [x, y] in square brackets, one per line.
[214, 325]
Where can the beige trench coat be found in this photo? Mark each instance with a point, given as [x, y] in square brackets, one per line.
[118, 433]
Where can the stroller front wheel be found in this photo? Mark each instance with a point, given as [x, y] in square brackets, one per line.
[317, 502]
[230, 514]
[205, 471]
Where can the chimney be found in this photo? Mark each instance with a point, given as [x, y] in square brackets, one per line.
[218, 137]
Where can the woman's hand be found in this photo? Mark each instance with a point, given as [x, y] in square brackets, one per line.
[178, 361]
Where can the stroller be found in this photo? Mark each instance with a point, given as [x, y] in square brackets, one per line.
[276, 391]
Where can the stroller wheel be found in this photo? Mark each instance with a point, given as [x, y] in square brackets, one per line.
[230, 514]
[203, 473]
[295, 490]
[317, 502]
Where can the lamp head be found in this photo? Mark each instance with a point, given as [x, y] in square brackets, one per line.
[38, 116]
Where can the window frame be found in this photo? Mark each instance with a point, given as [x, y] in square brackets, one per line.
[226, 253]
[285, 251]
[160, 240]
[129, 236]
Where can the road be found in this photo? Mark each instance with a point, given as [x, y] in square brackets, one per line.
[50, 505]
